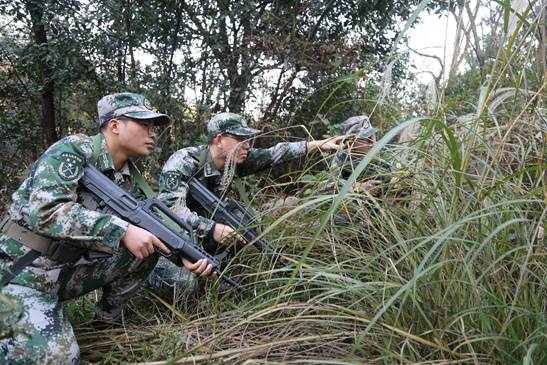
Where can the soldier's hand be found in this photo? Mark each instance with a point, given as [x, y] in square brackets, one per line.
[201, 267]
[141, 243]
[329, 144]
[366, 186]
[222, 232]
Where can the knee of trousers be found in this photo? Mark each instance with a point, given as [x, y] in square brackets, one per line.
[23, 351]
[67, 352]
[40, 333]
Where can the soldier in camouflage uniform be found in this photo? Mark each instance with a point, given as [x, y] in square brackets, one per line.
[86, 248]
[227, 154]
[361, 136]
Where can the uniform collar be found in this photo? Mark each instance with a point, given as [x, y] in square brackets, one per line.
[105, 161]
[209, 167]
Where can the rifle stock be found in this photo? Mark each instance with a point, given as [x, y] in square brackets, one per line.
[148, 215]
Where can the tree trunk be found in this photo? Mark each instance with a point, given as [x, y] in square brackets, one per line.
[240, 79]
[120, 66]
[174, 47]
[239, 83]
[542, 42]
[36, 12]
[128, 26]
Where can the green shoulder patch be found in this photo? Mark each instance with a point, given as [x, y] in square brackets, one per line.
[172, 180]
[70, 167]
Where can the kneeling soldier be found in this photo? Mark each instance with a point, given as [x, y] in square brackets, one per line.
[227, 155]
[82, 248]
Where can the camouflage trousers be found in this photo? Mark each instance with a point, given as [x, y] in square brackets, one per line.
[172, 283]
[43, 335]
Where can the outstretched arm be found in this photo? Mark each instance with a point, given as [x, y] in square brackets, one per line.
[263, 158]
[328, 144]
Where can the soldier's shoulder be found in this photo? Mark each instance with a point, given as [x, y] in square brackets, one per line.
[186, 154]
[184, 158]
[193, 151]
[79, 144]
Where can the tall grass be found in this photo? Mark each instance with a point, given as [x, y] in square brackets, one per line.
[448, 265]
[453, 270]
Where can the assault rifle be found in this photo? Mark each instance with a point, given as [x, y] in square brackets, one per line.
[233, 215]
[150, 215]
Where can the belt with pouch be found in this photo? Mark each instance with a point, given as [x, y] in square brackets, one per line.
[39, 245]
[52, 249]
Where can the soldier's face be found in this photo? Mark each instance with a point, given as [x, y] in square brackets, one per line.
[136, 137]
[361, 146]
[239, 144]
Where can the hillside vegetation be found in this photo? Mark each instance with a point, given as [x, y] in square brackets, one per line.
[446, 264]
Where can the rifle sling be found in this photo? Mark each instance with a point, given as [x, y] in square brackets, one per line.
[97, 141]
[139, 180]
[18, 266]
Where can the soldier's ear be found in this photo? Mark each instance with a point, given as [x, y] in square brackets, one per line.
[113, 125]
[217, 140]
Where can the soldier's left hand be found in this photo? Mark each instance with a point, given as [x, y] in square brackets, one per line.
[226, 234]
[368, 185]
[201, 267]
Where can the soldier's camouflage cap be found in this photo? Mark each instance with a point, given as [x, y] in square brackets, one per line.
[129, 105]
[229, 123]
[359, 126]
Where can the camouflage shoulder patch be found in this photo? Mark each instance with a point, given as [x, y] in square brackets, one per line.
[70, 167]
[172, 180]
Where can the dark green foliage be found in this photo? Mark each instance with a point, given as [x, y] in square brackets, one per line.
[285, 57]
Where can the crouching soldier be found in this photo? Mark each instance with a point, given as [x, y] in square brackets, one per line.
[58, 245]
[228, 154]
[360, 136]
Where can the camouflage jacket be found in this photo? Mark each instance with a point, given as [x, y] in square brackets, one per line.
[185, 164]
[50, 202]
[343, 165]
